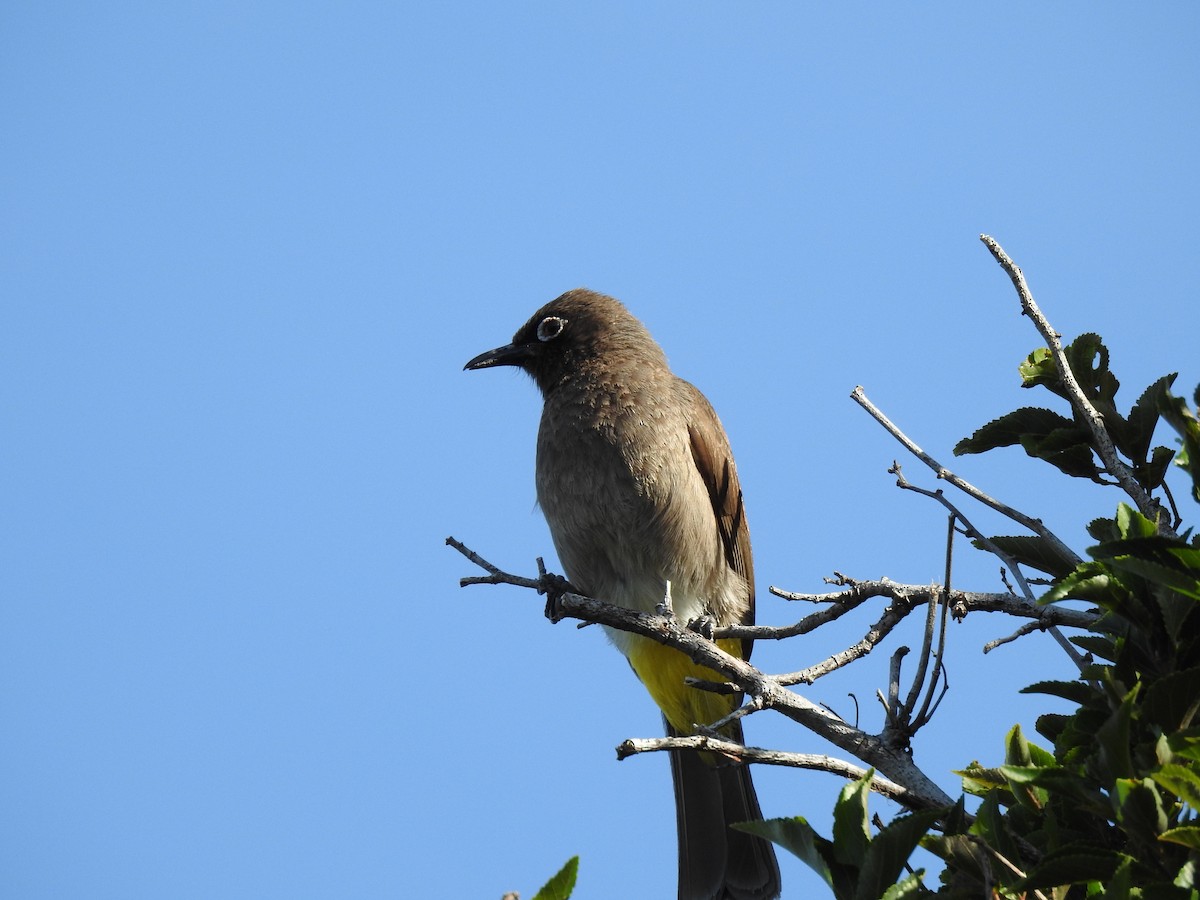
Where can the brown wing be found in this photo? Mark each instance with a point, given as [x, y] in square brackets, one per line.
[714, 461]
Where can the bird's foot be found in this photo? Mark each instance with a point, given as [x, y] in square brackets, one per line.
[554, 586]
[704, 626]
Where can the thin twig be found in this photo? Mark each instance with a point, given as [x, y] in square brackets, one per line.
[929, 705]
[741, 753]
[921, 791]
[1035, 525]
[1025, 629]
[1083, 407]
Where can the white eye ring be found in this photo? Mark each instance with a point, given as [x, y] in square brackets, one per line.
[550, 328]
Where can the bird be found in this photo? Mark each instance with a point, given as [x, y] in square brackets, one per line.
[638, 485]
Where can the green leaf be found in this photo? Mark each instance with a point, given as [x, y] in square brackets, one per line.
[1103, 529]
[1032, 550]
[1143, 418]
[910, 886]
[1051, 725]
[1182, 781]
[1088, 358]
[1076, 691]
[979, 781]
[1113, 738]
[1185, 743]
[1170, 698]
[1074, 865]
[1139, 807]
[890, 849]
[1016, 748]
[1011, 428]
[1090, 581]
[800, 839]
[989, 825]
[1118, 886]
[1162, 561]
[851, 831]
[962, 855]
[1153, 472]
[1055, 780]
[1177, 414]
[1096, 644]
[1040, 368]
[560, 886]
[1132, 524]
[1187, 835]
[1067, 449]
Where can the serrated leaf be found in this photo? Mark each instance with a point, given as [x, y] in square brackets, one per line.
[1113, 738]
[1097, 645]
[1051, 725]
[1076, 691]
[1056, 780]
[1088, 358]
[1152, 473]
[800, 839]
[1182, 781]
[1103, 530]
[1118, 886]
[910, 886]
[1185, 743]
[851, 831]
[1187, 835]
[1034, 551]
[990, 825]
[1009, 429]
[561, 884]
[1132, 524]
[1143, 416]
[1177, 414]
[961, 855]
[1039, 367]
[1139, 806]
[979, 781]
[890, 849]
[1174, 568]
[1074, 865]
[1168, 699]
[1068, 449]
[1090, 581]
[1016, 748]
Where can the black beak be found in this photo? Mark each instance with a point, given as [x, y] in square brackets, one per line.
[508, 355]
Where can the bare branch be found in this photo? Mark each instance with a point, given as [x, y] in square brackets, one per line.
[989, 545]
[922, 793]
[742, 753]
[1025, 629]
[1035, 525]
[1083, 407]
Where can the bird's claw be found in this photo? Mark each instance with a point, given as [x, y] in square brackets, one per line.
[704, 626]
[554, 586]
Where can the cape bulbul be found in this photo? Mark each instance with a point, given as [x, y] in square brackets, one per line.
[637, 482]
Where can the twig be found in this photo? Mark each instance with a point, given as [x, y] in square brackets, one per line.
[922, 793]
[1035, 525]
[741, 753]
[1083, 407]
[1025, 629]
[929, 705]
[990, 546]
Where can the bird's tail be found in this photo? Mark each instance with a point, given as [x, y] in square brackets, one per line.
[717, 862]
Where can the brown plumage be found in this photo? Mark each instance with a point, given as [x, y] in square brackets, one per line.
[637, 482]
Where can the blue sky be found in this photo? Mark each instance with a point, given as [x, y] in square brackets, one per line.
[247, 249]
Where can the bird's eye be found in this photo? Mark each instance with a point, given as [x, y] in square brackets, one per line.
[550, 328]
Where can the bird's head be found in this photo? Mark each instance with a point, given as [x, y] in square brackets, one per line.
[569, 335]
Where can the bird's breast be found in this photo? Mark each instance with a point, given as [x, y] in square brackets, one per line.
[626, 508]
